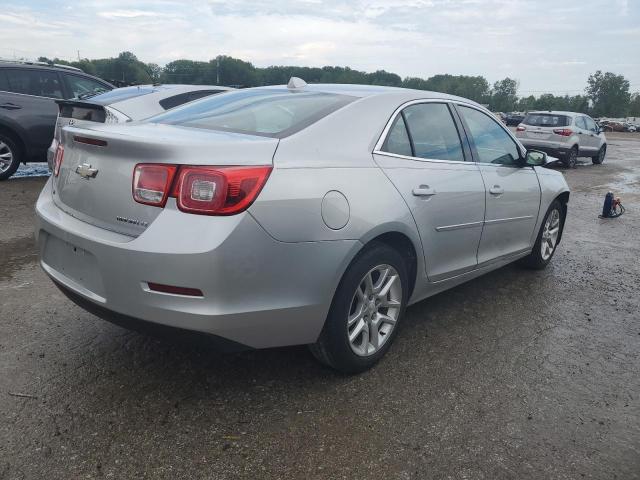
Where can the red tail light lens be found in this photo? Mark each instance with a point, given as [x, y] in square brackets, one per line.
[152, 183]
[520, 128]
[57, 160]
[218, 190]
[565, 132]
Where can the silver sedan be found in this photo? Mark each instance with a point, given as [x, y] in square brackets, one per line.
[298, 214]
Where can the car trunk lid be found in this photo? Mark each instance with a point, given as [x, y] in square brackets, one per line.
[95, 179]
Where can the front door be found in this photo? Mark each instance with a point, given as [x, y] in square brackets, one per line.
[512, 190]
[424, 158]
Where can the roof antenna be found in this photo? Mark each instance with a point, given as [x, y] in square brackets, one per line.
[295, 83]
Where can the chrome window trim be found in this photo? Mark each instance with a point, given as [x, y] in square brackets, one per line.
[383, 136]
[420, 159]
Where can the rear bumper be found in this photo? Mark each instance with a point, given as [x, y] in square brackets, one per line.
[554, 150]
[257, 291]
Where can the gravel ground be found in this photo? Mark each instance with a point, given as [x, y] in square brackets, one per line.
[516, 374]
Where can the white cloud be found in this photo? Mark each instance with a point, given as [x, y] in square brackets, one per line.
[494, 38]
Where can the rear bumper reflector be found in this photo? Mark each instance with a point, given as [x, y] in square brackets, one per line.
[186, 291]
[90, 141]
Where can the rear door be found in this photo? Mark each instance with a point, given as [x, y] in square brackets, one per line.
[28, 99]
[424, 157]
[512, 190]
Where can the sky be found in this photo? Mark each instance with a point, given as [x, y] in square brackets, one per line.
[547, 45]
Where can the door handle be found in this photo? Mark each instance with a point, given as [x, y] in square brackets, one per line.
[496, 190]
[424, 191]
[10, 106]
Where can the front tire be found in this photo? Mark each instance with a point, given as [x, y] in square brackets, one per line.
[547, 240]
[365, 312]
[598, 159]
[571, 158]
[10, 156]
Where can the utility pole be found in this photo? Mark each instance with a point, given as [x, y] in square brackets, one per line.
[218, 70]
[78, 55]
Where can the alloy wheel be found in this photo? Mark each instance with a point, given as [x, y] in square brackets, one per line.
[573, 158]
[550, 234]
[6, 157]
[374, 310]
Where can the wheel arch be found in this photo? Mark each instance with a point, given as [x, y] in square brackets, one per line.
[563, 198]
[16, 137]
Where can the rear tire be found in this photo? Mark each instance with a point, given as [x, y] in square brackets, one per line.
[598, 159]
[362, 324]
[10, 156]
[547, 240]
[571, 159]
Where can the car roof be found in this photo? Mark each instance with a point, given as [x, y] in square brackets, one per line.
[362, 91]
[556, 112]
[56, 68]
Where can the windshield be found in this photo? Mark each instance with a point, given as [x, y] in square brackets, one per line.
[546, 120]
[265, 112]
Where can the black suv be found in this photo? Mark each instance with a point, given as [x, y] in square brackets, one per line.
[28, 111]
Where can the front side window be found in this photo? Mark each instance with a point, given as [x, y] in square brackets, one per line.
[82, 87]
[265, 112]
[591, 125]
[433, 132]
[492, 143]
[33, 82]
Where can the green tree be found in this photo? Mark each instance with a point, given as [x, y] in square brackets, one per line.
[634, 105]
[504, 95]
[609, 93]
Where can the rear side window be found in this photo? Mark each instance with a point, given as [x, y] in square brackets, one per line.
[264, 112]
[546, 120]
[397, 140]
[492, 143]
[82, 87]
[433, 132]
[33, 82]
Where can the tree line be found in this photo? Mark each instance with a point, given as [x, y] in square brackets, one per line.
[606, 94]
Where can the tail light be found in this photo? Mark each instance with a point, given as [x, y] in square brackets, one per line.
[520, 128]
[57, 160]
[152, 183]
[203, 190]
[565, 132]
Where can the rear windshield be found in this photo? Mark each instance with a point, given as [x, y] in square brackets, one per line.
[546, 120]
[266, 112]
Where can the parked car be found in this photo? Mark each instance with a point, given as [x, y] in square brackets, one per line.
[567, 135]
[611, 126]
[298, 214]
[28, 111]
[124, 105]
[513, 119]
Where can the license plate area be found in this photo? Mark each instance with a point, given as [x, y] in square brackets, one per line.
[74, 263]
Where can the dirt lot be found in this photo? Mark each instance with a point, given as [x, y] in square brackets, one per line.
[517, 374]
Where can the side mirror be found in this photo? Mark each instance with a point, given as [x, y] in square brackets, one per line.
[536, 158]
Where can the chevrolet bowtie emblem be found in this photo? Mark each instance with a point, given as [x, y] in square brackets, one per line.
[85, 171]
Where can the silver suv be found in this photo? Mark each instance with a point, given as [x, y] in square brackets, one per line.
[566, 135]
